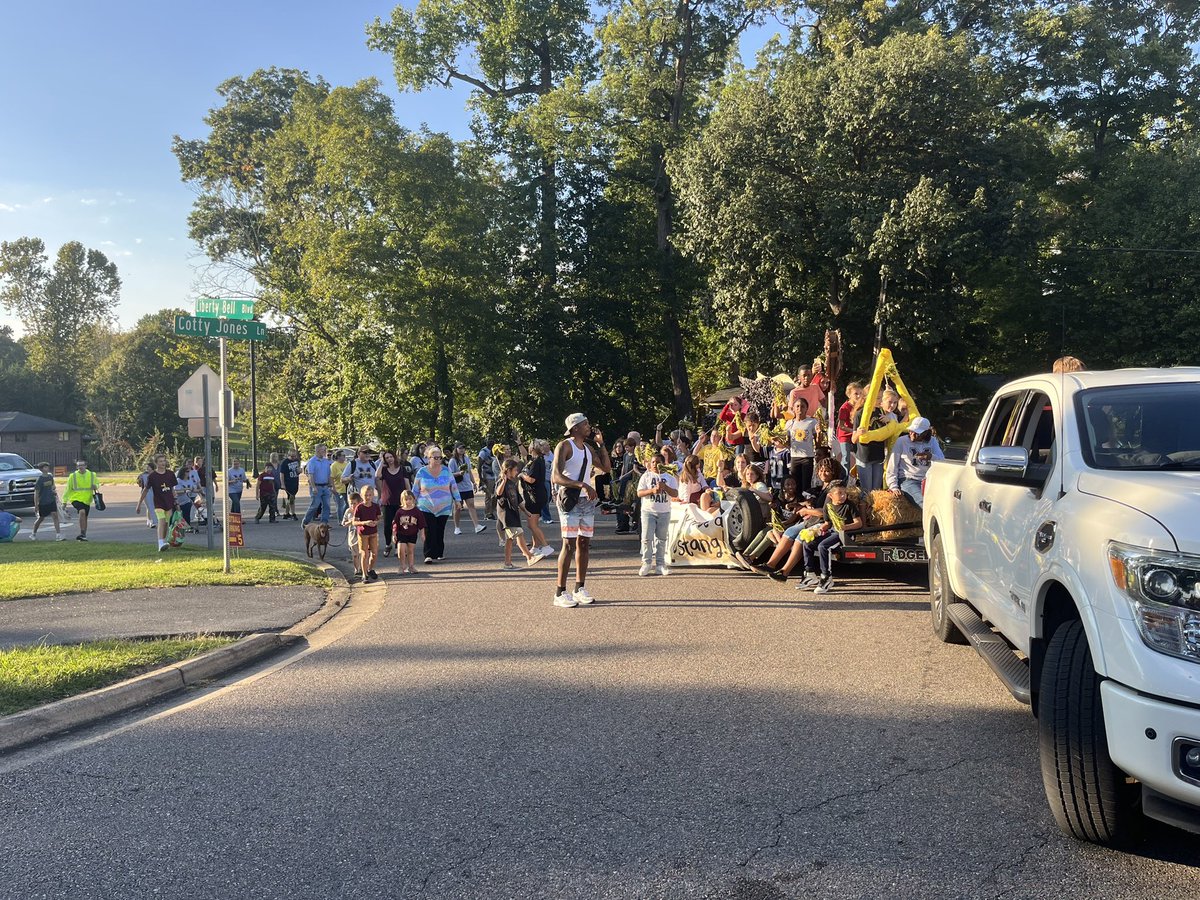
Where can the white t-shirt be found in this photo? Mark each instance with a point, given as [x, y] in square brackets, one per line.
[237, 480]
[802, 433]
[660, 501]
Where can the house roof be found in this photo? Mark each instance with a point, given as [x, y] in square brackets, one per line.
[19, 421]
[720, 398]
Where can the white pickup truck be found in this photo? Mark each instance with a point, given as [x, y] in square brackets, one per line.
[1066, 550]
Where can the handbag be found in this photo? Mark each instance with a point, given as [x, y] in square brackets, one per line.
[98, 500]
[571, 495]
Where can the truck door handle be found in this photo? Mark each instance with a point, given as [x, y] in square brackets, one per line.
[957, 494]
[985, 505]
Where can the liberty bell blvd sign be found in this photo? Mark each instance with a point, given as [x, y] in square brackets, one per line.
[220, 308]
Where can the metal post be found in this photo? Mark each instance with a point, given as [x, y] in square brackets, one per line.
[226, 409]
[253, 409]
[207, 462]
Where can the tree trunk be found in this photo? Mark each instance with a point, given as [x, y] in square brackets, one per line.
[548, 188]
[664, 201]
[443, 411]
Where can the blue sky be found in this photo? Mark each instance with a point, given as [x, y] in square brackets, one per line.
[94, 93]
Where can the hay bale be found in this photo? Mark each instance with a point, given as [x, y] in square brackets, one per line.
[884, 508]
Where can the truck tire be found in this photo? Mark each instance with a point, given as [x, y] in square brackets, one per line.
[744, 521]
[941, 595]
[1088, 794]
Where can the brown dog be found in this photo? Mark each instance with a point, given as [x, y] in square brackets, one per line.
[316, 536]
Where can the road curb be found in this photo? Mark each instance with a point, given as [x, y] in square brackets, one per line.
[42, 722]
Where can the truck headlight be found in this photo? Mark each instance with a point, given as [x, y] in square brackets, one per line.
[1164, 589]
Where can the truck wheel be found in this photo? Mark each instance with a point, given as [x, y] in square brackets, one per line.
[745, 521]
[941, 595]
[1088, 794]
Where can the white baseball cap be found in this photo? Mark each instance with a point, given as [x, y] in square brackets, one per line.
[574, 419]
[920, 425]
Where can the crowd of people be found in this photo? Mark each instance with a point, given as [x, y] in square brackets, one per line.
[803, 456]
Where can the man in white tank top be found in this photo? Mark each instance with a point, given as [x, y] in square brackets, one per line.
[574, 475]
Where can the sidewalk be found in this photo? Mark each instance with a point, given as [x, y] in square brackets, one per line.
[72, 618]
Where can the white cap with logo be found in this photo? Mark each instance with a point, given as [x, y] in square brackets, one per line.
[920, 425]
[574, 419]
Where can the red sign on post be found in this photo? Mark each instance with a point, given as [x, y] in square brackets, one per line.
[235, 530]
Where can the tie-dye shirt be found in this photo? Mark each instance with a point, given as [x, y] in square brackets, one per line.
[435, 495]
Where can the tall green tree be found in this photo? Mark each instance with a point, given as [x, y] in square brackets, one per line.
[61, 306]
[883, 187]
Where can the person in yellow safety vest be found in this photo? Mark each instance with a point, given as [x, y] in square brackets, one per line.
[82, 485]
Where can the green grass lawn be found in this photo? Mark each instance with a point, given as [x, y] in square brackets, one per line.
[29, 569]
[104, 478]
[31, 676]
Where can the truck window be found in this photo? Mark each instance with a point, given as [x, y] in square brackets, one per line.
[1002, 428]
[1039, 431]
[1144, 426]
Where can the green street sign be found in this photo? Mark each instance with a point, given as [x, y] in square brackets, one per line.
[218, 308]
[194, 326]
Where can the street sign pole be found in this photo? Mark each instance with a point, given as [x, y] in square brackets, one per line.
[253, 410]
[226, 409]
[208, 466]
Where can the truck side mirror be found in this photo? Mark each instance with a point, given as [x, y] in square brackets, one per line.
[1006, 465]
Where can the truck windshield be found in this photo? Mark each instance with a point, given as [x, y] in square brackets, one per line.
[10, 462]
[1146, 427]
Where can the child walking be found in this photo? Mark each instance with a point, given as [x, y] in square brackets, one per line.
[508, 500]
[838, 517]
[268, 491]
[366, 520]
[47, 503]
[352, 500]
[408, 525]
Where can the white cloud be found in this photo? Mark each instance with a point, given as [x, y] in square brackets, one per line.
[47, 199]
[104, 220]
[4, 207]
[88, 201]
[108, 243]
[137, 240]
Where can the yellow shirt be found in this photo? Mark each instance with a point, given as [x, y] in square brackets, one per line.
[712, 457]
[80, 487]
[335, 474]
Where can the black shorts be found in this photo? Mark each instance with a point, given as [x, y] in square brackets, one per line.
[467, 495]
[406, 539]
[47, 509]
[80, 505]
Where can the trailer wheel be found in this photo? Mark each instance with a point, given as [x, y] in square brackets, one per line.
[744, 521]
[941, 595]
[1088, 794]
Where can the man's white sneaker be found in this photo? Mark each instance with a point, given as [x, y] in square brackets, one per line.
[583, 598]
[545, 551]
[645, 570]
[565, 600]
[825, 586]
[60, 537]
[809, 580]
[663, 570]
[457, 530]
[32, 536]
[534, 559]
[480, 528]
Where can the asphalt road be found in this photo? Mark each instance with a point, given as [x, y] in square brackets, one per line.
[702, 735]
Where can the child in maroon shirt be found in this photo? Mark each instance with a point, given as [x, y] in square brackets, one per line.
[408, 524]
[366, 520]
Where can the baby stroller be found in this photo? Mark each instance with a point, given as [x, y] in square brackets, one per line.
[200, 515]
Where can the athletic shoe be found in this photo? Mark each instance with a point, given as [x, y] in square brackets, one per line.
[508, 566]
[534, 559]
[387, 550]
[825, 586]
[663, 570]
[32, 536]
[546, 551]
[622, 531]
[372, 573]
[60, 537]
[152, 524]
[162, 545]
[565, 600]
[479, 529]
[583, 598]
[81, 537]
[645, 570]
[457, 530]
[777, 576]
[428, 560]
[811, 579]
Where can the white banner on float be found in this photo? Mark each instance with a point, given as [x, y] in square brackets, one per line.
[697, 538]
